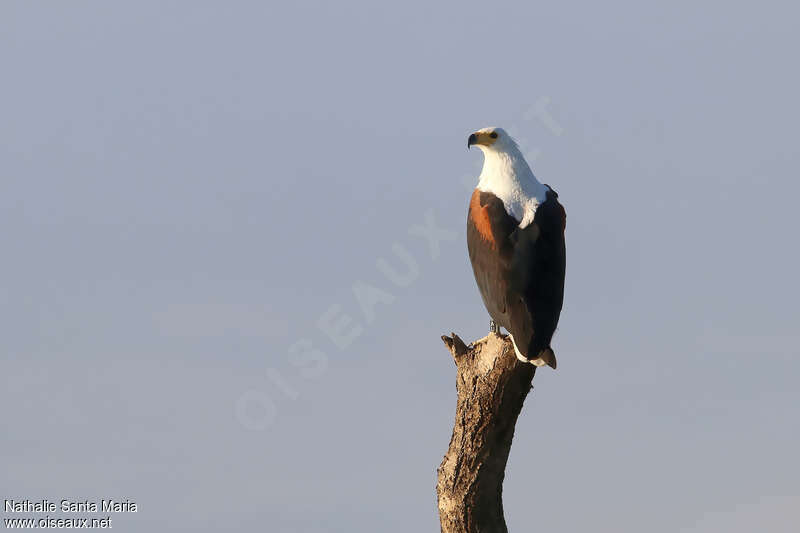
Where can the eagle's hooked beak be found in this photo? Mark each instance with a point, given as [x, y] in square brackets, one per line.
[482, 138]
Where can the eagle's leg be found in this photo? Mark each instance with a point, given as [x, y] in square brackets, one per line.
[493, 327]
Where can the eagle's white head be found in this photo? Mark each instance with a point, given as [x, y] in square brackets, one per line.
[494, 139]
[507, 175]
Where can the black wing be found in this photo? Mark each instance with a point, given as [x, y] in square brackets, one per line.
[536, 277]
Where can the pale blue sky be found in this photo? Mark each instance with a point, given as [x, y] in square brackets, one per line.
[188, 187]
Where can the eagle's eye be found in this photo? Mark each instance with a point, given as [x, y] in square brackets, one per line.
[493, 135]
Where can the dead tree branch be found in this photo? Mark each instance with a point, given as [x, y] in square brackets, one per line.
[492, 385]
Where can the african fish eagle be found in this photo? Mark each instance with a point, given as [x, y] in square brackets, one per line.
[515, 237]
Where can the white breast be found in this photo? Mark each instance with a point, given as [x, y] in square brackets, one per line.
[507, 175]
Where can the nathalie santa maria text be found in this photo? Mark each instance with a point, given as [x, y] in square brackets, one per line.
[70, 506]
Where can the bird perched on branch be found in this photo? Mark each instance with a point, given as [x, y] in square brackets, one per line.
[515, 237]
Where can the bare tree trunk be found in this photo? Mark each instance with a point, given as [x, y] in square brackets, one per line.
[492, 385]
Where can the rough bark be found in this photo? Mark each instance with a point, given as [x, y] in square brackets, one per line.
[492, 385]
